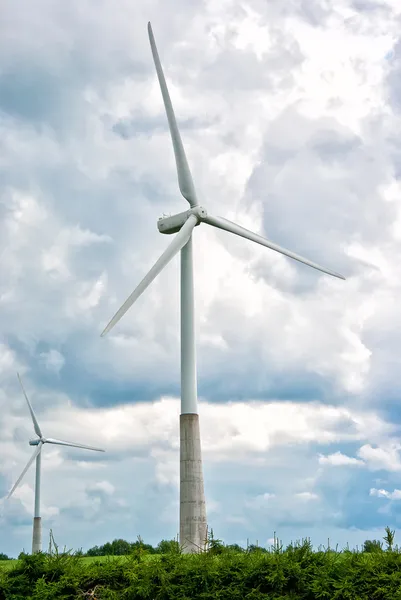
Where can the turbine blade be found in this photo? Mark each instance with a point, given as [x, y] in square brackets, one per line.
[227, 225]
[35, 422]
[184, 174]
[30, 461]
[178, 242]
[72, 444]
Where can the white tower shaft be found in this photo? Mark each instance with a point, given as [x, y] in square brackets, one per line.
[37, 521]
[189, 400]
[193, 525]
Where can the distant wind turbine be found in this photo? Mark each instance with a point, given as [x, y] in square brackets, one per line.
[39, 442]
[193, 525]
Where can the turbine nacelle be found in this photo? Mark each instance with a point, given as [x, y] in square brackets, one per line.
[36, 442]
[173, 223]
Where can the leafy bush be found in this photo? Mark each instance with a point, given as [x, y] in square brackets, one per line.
[119, 547]
[372, 546]
[168, 547]
[223, 572]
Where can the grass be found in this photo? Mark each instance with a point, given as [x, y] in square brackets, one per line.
[7, 565]
[87, 560]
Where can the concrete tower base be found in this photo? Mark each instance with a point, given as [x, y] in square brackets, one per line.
[37, 535]
[193, 525]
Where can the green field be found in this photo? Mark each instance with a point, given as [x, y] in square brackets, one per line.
[85, 560]
[6, 565]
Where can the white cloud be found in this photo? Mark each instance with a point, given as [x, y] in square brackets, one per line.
[395, 495]
[338, 459]
[7, 358]
[386, 457]
[307, 496]
[228, 430]
[102, 486]
[53, 360]
[259, 502]
[25, 494]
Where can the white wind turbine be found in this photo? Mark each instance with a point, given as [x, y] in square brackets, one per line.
[193, 526]
[39, 442]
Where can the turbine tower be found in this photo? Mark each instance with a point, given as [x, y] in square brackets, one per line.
[193, 526]
[39, 442]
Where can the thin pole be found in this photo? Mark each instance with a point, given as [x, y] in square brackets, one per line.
[37, 522]
[189, 400]
[37, 485]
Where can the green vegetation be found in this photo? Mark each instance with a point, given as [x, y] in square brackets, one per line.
[219, 571]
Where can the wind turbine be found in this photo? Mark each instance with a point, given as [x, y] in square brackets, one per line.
[193, 526]
[39, 442]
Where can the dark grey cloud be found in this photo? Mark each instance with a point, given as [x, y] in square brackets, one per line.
[337, 202]
[393, 79]
[313, 12]
[371, 6]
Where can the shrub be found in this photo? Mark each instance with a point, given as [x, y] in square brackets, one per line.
[372, 546]
[225, 572]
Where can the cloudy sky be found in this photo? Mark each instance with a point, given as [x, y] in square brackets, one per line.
[290, 115]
